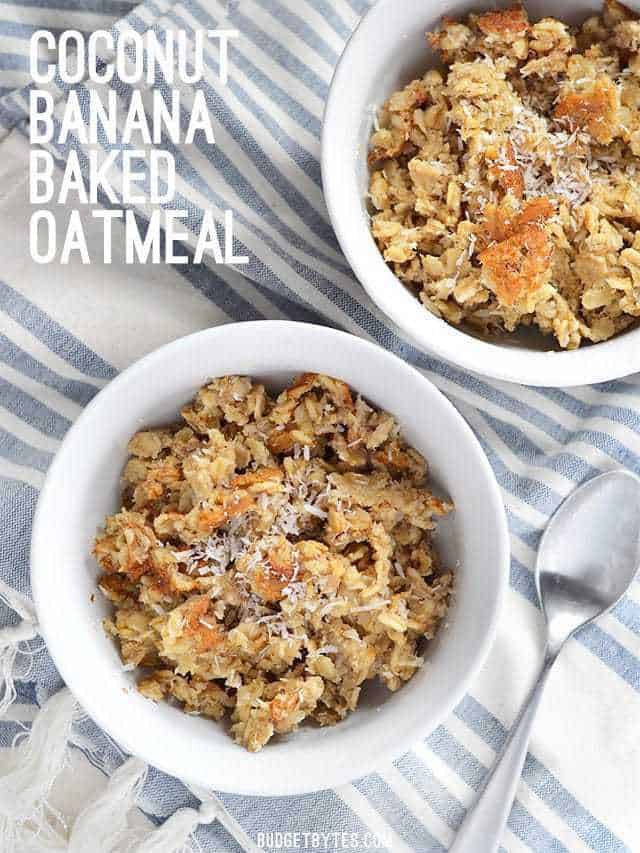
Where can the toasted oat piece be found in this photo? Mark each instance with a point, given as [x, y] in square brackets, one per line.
[550, 36]
[627, 35]
[232, 398]
[389, 142]
[148, 444]
[614, 12]
[337, 390]
[263, 710]
[197, 695]
[451, 39]
[275, 566]
[126, 544]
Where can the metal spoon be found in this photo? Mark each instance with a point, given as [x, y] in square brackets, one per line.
[588, 556]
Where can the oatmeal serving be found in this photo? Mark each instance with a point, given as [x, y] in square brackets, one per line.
[272, 555]
[504, 187]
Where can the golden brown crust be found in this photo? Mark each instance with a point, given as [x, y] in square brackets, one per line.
[512, 21]
[518, 265]
[594, 109]
[502, 221]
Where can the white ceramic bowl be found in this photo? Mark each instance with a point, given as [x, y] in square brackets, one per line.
[386, 51]
[83, 486]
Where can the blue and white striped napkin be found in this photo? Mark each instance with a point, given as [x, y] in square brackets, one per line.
[66, 331]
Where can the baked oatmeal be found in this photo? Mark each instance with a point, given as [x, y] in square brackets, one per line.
[504, 187]
[272, 555]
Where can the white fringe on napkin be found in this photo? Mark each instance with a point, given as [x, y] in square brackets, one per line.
[102, 826]
[28, 824]
[212, 809]
[26, 819]
[10, 639]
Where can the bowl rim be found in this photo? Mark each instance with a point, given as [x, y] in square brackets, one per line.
[601, 362]
[71, 673]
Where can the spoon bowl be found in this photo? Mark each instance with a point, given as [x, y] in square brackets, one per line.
[589, 553]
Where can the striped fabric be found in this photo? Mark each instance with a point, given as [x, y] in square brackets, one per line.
[65, 332]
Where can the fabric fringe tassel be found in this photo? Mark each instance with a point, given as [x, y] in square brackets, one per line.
[10, 639]
[28, 824]
[175, 834]
[212, 809]
[102, 826]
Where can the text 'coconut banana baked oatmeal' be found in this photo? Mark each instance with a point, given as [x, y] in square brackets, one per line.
[504, 188]
[272, 556]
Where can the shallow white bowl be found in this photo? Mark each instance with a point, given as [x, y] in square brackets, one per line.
[83, 486]
[387, 50]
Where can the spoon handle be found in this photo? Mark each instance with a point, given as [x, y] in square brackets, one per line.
[484, 823]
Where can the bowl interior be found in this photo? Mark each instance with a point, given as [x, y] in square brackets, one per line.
[395, 35]
[84, 479]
